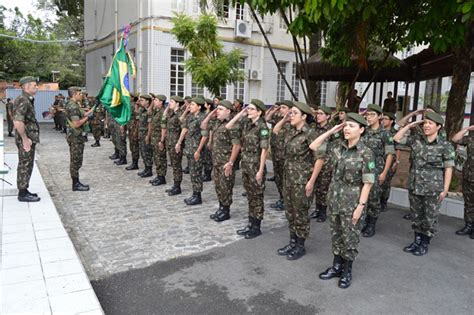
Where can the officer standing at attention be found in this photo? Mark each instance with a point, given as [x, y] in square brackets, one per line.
[429, 178]
[255, 141]
[159, 148]
[144, 139]
[191, 132]
[388, 121]
[9, 108]
[26, 136]
[298, 176]
[353, 165]
[467, 180]
[76, 118]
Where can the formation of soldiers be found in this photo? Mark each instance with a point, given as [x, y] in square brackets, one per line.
[342, 160]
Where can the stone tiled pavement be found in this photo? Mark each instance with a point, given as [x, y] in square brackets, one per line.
[124, 222]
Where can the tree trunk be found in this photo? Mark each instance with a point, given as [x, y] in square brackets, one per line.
[314, 87]
[460, 84]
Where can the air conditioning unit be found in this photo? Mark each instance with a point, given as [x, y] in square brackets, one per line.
[255, 75]
[242, 29]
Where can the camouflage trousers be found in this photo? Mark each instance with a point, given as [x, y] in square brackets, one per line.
[195, 172]
[224, 185]
[134, 145]
[296, 209]
[112, 129]
[76, 153]
[278, 168]
[206, 160]
[10, 125]
[254, 190]
[176, 160]
[121, 140]
[426, 212]
[373, 205]
[159, 157]
[97, 130]
[468, 193]
[385, 187]
[146, 151]
[26, 161]
[321, 186]
[345, 236]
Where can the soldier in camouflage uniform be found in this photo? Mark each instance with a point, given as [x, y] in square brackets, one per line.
[77, 120]
[113, 129]
[389, 125]
[146, 151]
[170, 132]
[298, 176]
[133, 138]
[323, 167]
[159, 148]
[121, 142]
[225, 148]
[26, 137]
[381, 143]
[9, 108]
[97, 124]
[353, 165]
[467, 180]
[429, 178]
[206, 151]
[191, 132]
[255, 138]
[60, 115]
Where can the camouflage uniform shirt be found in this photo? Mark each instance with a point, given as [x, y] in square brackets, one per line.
[193, 137]
[254, 138]
[24, 111]
[222, 141]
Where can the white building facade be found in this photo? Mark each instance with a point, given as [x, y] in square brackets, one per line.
[160, 58]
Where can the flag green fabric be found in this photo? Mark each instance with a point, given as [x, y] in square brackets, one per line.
[115, 92]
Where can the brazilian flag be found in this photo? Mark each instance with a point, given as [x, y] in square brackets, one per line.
[115, 92]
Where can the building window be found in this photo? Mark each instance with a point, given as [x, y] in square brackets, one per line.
[196, 90]
[178, 5]
[223, 9]
[295, 83]
[177, 72]
[103, 64]
[223, 92]
[280, 82]
[239, 12]
[239, 87]
[324, 89]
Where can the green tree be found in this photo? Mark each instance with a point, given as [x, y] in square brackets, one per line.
[209, 65]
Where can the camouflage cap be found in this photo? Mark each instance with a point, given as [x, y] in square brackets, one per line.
[209, 101]
[325, 109]
[357, 118]
[74, 89]
[241, 102]
[390, 115]
[161, 97]
[259, 104]
[27, 79]
[433, 116]
[146, 96]
[198, 100]
[345, 110]
[177, 98]
[374, 108]
[303, 107]
[227, 104]
[287, 103]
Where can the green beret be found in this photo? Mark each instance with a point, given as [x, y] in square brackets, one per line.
[187, 98]
[303, 107]
[390, 115]
[325, 109]
[278, 102]
[227, 104]
[177, 98]
[287, 103]
[209, 101]
[218, 97]
[146, 96]
[198, 100]
[241, 102]
[357, 118]
[374, 108]
[314, 106]
[437, 118]
[433, 108]
[74, 89]
[260, 105]
[161, 97]
[345, 110]
[27, 79]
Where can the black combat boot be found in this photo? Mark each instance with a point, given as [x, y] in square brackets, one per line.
[186, 170]
[223, 215]
[25, 197]
[413, 246]
[175, 190]
[279, 205]
[334, 271]
[133, 166]
[194, 200]
[472, 235]
[161, 180]
[287, 248]
[215, 214]
[254, 229]
[121, 161]
[321, 214]
[467, 229]
[315, 213]
[151, 181]
[346, 277]
[422, 249]
[206, 177]
[383, 205]
[369, 230]
[10, 134]
[298, 251]
[271, 179]
[147, 172]
[246, 229]
[115, 155]
[78, 186]
[408, 216]
[96, 144]
[30, 193]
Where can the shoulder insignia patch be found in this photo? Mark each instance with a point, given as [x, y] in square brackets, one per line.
[264, 132]
[371, 165]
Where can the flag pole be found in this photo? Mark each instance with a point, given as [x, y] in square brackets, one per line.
[116, 25]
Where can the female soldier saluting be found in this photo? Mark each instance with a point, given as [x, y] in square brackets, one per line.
[353, 177]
